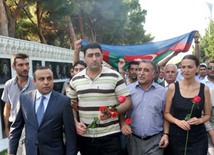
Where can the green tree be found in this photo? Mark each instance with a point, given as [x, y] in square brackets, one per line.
[135, 33]
[114, 21]
[3, 19]
[61, 22]
[10, 12]
[207, 42]
[103, 21]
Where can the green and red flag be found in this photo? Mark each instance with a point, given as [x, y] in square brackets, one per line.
[155, 51]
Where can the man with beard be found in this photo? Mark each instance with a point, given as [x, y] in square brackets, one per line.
[209, 81]
[13, 88]
[131, 70]
[202, 72]
[131, 78]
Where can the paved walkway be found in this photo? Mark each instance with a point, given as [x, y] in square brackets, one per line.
[3, 144]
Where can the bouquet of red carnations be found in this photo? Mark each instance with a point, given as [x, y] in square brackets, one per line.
[108, 110]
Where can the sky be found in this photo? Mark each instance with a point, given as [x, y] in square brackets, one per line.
[166, 19]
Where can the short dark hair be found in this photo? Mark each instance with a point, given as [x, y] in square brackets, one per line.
[192, 57]
[18, 56]
[133, 63]
[91, 46]
[80, 62]
[40, 68]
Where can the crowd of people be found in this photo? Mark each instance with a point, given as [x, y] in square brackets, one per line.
[169, 107]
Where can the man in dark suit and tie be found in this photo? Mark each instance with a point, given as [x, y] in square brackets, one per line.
[46, 115]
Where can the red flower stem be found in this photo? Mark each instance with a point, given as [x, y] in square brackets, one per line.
[187, 136]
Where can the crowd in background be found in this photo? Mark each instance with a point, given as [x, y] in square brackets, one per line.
[168, 108]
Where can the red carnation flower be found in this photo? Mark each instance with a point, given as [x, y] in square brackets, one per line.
[103, 109]
[121, 99]
[111, 109]
[196, 99]
[114, 114]
[128, 121]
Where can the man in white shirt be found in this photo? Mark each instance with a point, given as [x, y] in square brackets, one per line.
[209, 81]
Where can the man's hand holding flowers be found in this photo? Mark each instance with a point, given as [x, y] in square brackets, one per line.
[125, 125]
[106, 112]
[103, 113]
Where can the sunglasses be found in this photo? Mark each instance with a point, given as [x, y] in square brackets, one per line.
[210, 67]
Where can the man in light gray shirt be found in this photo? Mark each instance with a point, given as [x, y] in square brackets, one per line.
[209, 81]
[12, 90]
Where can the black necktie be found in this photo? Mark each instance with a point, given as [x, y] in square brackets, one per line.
[40, 111]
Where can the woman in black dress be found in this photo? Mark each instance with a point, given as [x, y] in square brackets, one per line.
[187, 133]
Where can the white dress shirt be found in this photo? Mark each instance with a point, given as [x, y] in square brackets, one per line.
[38, 100]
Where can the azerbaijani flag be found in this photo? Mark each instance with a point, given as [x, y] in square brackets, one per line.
[155, 51]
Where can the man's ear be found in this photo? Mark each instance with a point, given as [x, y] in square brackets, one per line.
[14, 67]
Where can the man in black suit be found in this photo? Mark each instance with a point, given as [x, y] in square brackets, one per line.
[46, 114]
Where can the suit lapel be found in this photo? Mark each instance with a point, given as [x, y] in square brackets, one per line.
[32, 108]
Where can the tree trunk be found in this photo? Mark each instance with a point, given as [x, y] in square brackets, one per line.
[39, 27]
[3, 19]
[72, 35]
[93, 33]
[82, 35]
[12, 16]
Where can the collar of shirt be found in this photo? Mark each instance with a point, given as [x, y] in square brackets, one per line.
[103, 71]
[26, 85]
[39, 97]
[206, 81]
[151, 86]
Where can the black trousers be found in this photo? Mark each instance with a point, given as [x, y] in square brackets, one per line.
[106, 145]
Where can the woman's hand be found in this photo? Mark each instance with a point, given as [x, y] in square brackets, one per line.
[183, 124]
[194, 121]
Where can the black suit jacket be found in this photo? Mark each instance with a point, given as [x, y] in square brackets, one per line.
[48, 137]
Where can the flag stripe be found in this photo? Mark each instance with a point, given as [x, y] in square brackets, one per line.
[151, 51]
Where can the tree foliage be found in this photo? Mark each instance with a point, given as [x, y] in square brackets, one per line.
[207, 42]
[61, 22]
[135, 32]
